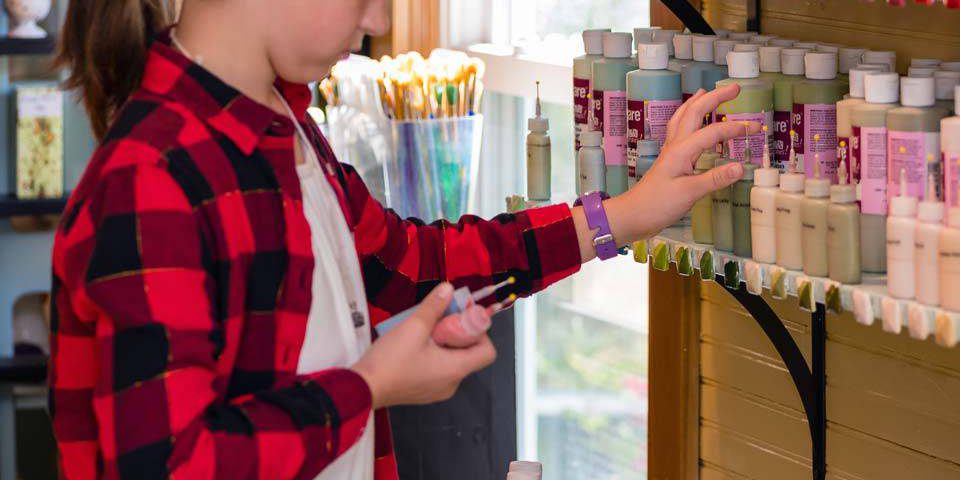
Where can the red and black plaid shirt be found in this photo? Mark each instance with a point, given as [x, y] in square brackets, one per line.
[182, 280]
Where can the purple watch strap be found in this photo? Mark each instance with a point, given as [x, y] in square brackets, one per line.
[597, 220]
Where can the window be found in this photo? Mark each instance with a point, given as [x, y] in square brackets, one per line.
[582, 345]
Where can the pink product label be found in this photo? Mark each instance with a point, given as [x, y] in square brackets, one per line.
[951, 170]
[635, 132]
[780, 148]
[870, 156]
[910, 152]
[581, 100]
[845, 141]
[737, 146]
[810, 120]
[614, 126]
[597, 119]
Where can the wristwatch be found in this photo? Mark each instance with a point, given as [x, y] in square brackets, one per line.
[603, 242]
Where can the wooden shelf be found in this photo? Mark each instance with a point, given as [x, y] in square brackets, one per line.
[11, 206]
[27, 46]
[26, 369]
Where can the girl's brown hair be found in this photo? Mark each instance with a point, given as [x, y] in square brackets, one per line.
[104, 45]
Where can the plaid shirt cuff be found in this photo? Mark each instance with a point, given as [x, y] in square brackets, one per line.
[553, 248]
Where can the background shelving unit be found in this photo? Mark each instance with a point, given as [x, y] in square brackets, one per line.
[28, 46]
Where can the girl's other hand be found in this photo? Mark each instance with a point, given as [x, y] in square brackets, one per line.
[407, 367]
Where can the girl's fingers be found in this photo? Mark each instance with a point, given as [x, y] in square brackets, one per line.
[693, 117]
[720, 177]
[672, 124]
[709, 136]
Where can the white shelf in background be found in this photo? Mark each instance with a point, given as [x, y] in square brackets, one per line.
[868, 301]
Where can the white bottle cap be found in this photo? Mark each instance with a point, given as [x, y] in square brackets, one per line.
[720, 50]
[917, 92]
[762, 39]
[593, 41]
[953, 217]
[791, 60]
[643, 34]
[703, 47]
[817, 187]
[828, 48]
[930, 212]
[820, 65]
[652, 56]
[742, 36]
[921, 71]
[743, 64]
[617, 45]
[881, 87]
[721, 33]
[770, 59]
[887, 57]
[524, 466]
[950, 131]
[766, 177]
[683, 46]
[665, 36]
[950, 66]
[538, 124]
[850, 58]
[792, 182]
[807, 45]
[782, 42]
[924, 62]
[747, 47]
[858, 74]
[591, 138]
[945, 83]
[843, 194]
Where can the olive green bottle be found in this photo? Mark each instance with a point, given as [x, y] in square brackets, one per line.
[843, 230]
[742, 238]
[702, 216]
[723, 215]
[815, 113]
[753, 104]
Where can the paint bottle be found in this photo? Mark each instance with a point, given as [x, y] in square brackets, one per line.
[929, 226]
[590, 164]
[647, 153]
[950, 261]
[869, 158]
[763, 210]
[610, 106]
[789, 224]
[583, 80]
[945, 84]
[901, 239]
[702, 212]
[845, 106]
[682, 52]
[643, 35]
[538, 155]
[753, 104]
[913, 139]
[815, 113]
[849, 58]
[813, 216]
[843, 230]
[782, 42]
[653, 96]
[723, 215]
[740, 197]
[791, 66]
[665, 37]
[762, 39]
[770, 69]
[691, 78]
[925, 62]
[747, 47]
[950, 146]
[886, 57]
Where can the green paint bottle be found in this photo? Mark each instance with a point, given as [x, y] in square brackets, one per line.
[742, 237]
[754, 104]
[815, 113]
[702, 213]
[791, 67]
[723, 215]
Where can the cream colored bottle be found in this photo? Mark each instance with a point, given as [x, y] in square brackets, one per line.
[813, 216]
[950, 261]
[763, 210]
[789, 225]
[929, 226]
[901, 243]
[843, 230]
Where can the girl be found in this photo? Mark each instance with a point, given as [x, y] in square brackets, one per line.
[217, 273]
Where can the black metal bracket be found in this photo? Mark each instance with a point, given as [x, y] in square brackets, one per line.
[693, 20]
[810, 381]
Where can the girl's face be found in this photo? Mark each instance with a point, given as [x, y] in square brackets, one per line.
[305, 38]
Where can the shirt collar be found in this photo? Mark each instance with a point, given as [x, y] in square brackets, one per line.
[242, 120]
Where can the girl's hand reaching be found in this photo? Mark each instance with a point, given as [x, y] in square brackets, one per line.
[669, 189]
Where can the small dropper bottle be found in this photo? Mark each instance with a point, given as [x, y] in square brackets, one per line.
[814, 219]
[929, 226]
[763, 209]
[538, 156]
[789, 205]
[843, 229]
[901, 235]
